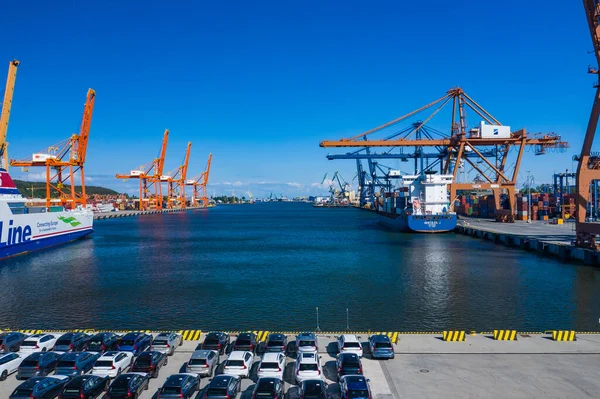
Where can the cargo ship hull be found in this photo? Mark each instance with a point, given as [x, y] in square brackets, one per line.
[418, 223]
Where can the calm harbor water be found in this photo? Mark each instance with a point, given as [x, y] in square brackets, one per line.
[268, 266]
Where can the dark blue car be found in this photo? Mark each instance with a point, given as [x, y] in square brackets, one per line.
[76, 363]
[85, 387]
[40, 387]
[136, 342]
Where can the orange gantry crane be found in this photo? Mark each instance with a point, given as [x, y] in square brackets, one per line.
[6, 107]
[200, 182]
[65, 160]
[149, 175]
[176, 195]
[489, 134]
[588, 168]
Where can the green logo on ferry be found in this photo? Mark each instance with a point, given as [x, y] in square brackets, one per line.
[70, 220]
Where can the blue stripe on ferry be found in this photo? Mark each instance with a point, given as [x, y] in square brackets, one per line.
[9, 191]
[42, 243]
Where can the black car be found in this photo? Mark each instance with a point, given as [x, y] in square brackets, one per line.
[85, 387]
[102, 342]
[276, 343]
[40, 388]
[181, 385]
[11, 341]
[223, 387]
[76, 363]
[128, 385]
[216, 341]
[37, 364]
[348, 363]
[71, 342]
[245, 342]
[313, 389]
[268, 388]
[149, 362]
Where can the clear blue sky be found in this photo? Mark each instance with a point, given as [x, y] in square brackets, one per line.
[259, 84]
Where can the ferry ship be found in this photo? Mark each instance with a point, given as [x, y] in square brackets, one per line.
[420, 204]
[26, 228]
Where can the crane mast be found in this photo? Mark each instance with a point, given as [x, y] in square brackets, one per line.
[6, 107]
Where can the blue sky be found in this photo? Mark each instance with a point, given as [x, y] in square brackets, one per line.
[260, 84]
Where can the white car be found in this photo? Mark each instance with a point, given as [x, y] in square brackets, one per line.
[272, 365]
[38, 343]
[239, 363]
[308, 367]
[9, 363]
[348, 343]
[112, 363]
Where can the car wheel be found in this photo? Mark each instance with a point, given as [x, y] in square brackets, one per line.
[4, 375]
[147, 386]
[119, 371]
[44, 349]
[166, 361]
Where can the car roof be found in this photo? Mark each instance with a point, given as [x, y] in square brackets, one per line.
[237, 355]
[348, 356]
[381, 338]
[31, 382]
[213, 333]
[36, 336]
[276, 336]
[355, 381]
[349, 337]
[164, 334]
[176, 380]
[72, 355]
[266, 382]
[221, 381]
[271, 356]
[8, 353]
[36, 355]
[308, 357]
[306, 335]
[245, 335]
[110, 355]
[133, 334]
[201, 354]
[80, 379]
[66, 335]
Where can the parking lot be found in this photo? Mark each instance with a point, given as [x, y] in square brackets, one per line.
[427, 367]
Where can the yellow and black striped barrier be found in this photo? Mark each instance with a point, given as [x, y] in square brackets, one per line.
[505, 335]
[190, 335]
[562, 335]
[31, 331]
[454, 336]
[393, 336]
[261, 335]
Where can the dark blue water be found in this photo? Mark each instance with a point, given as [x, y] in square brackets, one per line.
[268, 266]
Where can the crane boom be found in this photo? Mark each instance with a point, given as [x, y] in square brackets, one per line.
[80, 148]
[163, 153]
[6, 106]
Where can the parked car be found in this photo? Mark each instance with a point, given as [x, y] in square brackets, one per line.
[128, 385]
[239, 363]
[216, 341]
[38, 343]
[112, 363]
[179, 386]
[348, 343]
[71, 342]
[167, 342]
[268, 388]
[203, 362]
[38, 364]
[381, 347]
[9, 363]
[245, 342]
[272, 365]
[276, 343]
[348, 363]
[149, 362]
[85, 387]
[103, 342]
[224, 387]
[355, 387]
[135, 342]
[313, 389]
[308, 366]
[11, 341]
[40, 387]
[76, 363]
[307, 342]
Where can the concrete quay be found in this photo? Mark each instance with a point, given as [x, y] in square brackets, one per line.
[538, 236]
[427, 367]
[124, 214]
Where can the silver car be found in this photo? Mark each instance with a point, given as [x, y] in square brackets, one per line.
[307, 342]
[166, 342]
[203, 363]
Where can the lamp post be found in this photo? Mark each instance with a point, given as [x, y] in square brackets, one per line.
[529, 180]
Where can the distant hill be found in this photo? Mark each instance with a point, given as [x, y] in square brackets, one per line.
[39, 189]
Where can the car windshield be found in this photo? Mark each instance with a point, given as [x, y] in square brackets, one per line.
[103, 363]
[351, 345]
[120, 385]
[127, 342]
[312, 389]
[143, 362]
[275, 342]
[308, 367]
[358, 393]
[29, 343]
[211, 341]
[170, 390]
[22, 392]
[307, 343]
[269, 365]
[159, 342]
[351, 362]
[384, 345]
[242, 341]
[235, 363]
[66, 363]
[216, 392]
[29, 363]
[196, 362]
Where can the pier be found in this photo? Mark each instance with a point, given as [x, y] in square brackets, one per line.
[539, 236]
[124, 214]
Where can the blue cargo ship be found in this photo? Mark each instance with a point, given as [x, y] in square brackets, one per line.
[420, 204]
